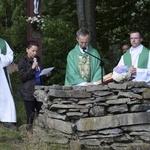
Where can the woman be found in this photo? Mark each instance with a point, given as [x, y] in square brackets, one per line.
[29, 68]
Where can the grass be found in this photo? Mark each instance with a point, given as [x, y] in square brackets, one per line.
[9, 139]
[18, 140]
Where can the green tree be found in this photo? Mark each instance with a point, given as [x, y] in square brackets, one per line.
[58, 36]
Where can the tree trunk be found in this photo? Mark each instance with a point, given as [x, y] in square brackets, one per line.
[86, 17]
[81, 13]
[91, 20]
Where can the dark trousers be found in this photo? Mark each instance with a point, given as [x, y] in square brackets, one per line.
[31, 107]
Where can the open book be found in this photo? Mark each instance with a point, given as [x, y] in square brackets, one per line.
[107, 78]
[46, 71]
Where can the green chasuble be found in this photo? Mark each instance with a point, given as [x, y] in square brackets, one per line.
[3, 51]
[82, 67]
[3, 46]
[142, 61]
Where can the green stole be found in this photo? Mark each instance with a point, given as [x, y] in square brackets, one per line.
[143, 58]
[3, 51]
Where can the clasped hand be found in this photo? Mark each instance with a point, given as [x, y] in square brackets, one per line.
[133, 70]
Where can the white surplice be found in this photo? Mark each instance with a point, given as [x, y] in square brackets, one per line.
[7, 106]
[141, 74]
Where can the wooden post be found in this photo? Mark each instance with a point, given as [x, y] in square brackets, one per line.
[33, 34]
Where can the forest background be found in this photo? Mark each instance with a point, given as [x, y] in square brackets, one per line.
[110, 21]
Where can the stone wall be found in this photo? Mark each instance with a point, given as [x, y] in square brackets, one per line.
[102, 117]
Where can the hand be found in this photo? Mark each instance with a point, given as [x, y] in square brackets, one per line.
[34, 65]
[133, 70]
[49, 74]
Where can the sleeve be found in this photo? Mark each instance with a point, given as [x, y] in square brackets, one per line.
[121, 62]
[143, 74]
[25, 73]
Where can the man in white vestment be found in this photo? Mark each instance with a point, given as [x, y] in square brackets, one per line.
[137, 58]
[7, 106]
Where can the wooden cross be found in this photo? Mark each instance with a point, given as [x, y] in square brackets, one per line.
[33, 9]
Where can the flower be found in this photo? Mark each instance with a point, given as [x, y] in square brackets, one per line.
[121, 74]
[36, 22]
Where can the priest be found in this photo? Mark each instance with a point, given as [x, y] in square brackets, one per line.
[82, 68]
[7, 106]
[137, 58]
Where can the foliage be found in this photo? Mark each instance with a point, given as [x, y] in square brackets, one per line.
[59, 36]
[56, 48]
[13, 23]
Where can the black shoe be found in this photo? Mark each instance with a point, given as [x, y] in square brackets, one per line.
[9, 125]
[29, 127]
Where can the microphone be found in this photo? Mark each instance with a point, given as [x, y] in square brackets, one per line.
[35, 60]
[84, 49]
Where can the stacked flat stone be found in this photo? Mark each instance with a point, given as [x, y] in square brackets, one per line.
[102, 117]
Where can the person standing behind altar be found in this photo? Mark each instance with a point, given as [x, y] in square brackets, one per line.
[7, 106]
[125, 47]
[137, 58]
[83, 69]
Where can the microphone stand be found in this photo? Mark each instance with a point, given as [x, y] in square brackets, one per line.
[101, 63]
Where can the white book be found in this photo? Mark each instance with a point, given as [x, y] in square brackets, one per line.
[46, 71]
